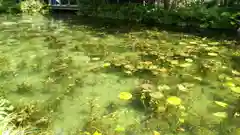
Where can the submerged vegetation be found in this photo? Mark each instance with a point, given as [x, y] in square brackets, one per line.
[79, 80]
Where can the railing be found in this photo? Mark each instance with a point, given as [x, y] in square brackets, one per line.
[63, 4]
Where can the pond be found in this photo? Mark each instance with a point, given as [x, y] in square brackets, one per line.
[77, 78]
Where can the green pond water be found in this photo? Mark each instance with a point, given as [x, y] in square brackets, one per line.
[78, 72]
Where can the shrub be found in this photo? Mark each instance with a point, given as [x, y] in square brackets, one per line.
[196, 16]
[32, 6]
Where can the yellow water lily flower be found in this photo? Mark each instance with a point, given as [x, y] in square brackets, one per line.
[125, 95]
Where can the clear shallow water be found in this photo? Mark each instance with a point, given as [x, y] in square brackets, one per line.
[67, 67]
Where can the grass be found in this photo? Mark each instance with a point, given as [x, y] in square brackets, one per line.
[69, 77]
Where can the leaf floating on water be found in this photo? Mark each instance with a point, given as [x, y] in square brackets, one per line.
[156, 133]
[181, 129]
[130, 67]
[96, 59]
[222, 104]
[161, 109]
[106, 64]
[229, 78]
[185, 65]
[220, 114]
[147, 87]
[173, 100]
[193, 43]
[125, 96]
[212, 54]
[119, 129]
[163, 87]
[162, 69]
[213, 43]
[181, 107]
[235, 72]
[189, 60]
[10, 108]
[203, 45]
[174, 62]
[181, 120]
[153, 67]
[87, 133]
[181, 87]
[236, 89]
[198, 78]
[182, 43]
[128, 72]
[230, 84]
[97, 133]
[236, 114]
[157, 95]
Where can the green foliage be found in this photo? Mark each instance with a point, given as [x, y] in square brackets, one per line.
[196, 16]
[32, 6]
[9, 6]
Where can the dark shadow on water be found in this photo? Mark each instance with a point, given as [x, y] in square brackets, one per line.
[112, 26]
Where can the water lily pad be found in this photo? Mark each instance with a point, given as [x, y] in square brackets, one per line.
[147, 86]
[153, 67]
[230, 84]
[188, 60]
[97, 133]
[181, 120]
[157, 95]
[96, 59]
[163, 87]
[182, 43]
[181, 107]
[198, 78]
[235, 89]
[128, 72]
[213, 43]
[119, 129]
[212, 54]
[220, 114]
[125, 96]
[185, 65]
[156, 133]
[162, 69]
[193, 43]
[106, 64]
[161, 109]
[174, 62]
[173, 100]
[203, 45]
[181, 87]
[222, 104]
[235, 72]
[130, 67]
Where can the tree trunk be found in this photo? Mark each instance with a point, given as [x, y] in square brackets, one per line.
[166, 4]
